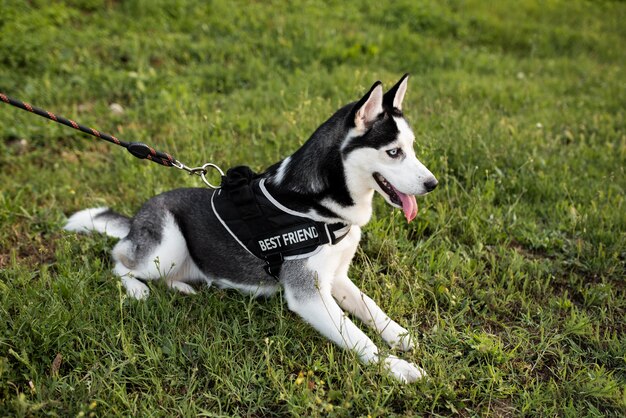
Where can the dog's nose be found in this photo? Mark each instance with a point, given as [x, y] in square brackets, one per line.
[431, 184]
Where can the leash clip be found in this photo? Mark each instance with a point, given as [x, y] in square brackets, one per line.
[200, 171]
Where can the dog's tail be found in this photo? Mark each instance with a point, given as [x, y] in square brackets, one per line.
[102, 220]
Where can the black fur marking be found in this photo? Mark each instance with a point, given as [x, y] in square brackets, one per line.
[111, 215]
[382, 133]
[315, 171]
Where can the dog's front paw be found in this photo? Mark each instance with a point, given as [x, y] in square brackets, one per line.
[397, 337]
[402, 370]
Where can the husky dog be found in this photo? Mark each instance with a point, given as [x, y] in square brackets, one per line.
[365, 147]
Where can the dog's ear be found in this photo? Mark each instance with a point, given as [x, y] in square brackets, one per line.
[369, 107]
[393, 98]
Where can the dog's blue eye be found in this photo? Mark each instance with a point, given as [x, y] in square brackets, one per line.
[394, 153]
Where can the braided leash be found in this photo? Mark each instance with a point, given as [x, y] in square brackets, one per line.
[137, 149]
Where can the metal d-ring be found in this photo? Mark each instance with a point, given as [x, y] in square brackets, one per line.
[200, 171]
[204, 171]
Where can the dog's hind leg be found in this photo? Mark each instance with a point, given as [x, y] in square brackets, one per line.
[182, 287]
[139, 290]
[149, 256]
[134, 288]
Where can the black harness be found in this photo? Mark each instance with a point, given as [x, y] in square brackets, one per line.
[266, 228]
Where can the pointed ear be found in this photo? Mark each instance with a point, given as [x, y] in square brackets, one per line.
[395, 95]
[369, 107]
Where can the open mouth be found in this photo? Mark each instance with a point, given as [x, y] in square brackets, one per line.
[396, 197]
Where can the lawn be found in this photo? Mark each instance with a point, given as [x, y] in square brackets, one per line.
[511, 278]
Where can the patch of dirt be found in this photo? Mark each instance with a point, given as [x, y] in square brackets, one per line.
[528, 252]
[29, 249]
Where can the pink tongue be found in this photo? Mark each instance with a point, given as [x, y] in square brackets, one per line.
[409, 205]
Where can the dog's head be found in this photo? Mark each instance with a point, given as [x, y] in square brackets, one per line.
[379, 147]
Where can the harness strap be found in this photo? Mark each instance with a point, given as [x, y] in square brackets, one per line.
[334, 228]
[273, 263]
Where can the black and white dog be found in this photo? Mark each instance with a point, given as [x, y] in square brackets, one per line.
[178, 236]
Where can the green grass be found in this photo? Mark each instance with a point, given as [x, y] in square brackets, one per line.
[511, 277]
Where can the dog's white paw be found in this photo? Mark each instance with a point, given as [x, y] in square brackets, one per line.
[181, 287]
[402, 370]
[397, 337]
[135, 289]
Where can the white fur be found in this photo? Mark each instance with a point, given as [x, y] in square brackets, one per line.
[134, 288]
[85, 221]
[170, 260]
[403, 370]
[280, 173]
[181, 287]
[265, 289]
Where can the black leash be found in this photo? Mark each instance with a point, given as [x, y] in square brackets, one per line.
[137, 149]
